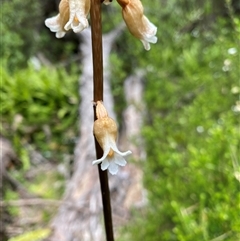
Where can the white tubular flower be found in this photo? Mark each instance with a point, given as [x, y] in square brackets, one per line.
[105, 131]
[56, 24]
[79, 10]
[137, 23]
[72, 14]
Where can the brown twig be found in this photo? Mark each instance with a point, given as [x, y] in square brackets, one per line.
[95, 15]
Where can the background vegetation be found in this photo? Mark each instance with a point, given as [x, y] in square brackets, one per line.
[191, 128]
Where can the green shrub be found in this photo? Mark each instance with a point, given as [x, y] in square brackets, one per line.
[192, 140]
[19, 38]
[40, 107]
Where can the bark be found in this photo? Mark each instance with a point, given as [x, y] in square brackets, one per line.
[134, 113]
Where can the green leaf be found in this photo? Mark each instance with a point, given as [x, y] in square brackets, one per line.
[35, 235]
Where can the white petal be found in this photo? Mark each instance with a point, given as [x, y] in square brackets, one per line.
[149, 34]
[54, 26]
[82, 19]
[126, 153]
[53, 23]
[151, 39]
[107, 2]
[60, 34]
[151, 28]
[120, 160]
[114, 147]
[145, 44]
[72, 12]
[105, 153]
[77, 10]
[105, 165]
[113, 168]
[67, 26]
[78, 28]
[98, 161]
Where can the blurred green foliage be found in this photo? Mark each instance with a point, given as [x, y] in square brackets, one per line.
[39, 112]
[40, 107]
[191, 134]
[19, 36]
[24, 35]
[36, 235]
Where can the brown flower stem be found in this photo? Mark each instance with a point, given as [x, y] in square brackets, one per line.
[95, 16]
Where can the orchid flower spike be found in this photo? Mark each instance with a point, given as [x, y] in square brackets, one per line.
[137, 23]
[72, 15]
[105, 131]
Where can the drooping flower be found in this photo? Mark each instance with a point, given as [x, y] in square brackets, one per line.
[105, 131]
[137, 23]
[56, 24]
[72, 15]
[79, 10]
